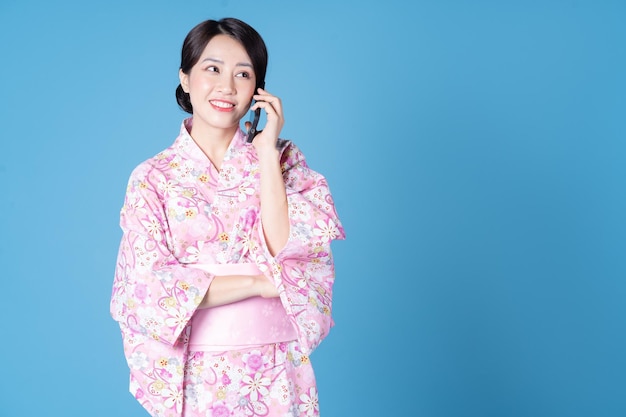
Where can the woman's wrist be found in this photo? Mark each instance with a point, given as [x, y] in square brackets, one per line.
[267, 154]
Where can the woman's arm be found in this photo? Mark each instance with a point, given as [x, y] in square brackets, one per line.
[228, 289]
[274, 211]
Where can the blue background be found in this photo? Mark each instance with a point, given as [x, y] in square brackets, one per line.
[476, 151]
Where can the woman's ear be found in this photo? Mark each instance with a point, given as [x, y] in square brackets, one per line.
[184, 80]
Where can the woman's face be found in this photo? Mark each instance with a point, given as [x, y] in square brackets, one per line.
[220, 85]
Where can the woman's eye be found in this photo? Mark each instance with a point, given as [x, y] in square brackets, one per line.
[212, 68]
[243, 75]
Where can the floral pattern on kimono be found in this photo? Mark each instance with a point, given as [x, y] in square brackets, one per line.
[180, 211]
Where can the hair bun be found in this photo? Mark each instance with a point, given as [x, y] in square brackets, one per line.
[183, 99]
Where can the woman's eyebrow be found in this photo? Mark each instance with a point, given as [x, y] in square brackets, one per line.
[219, 61]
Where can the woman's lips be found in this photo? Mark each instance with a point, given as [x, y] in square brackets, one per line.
[220, 105]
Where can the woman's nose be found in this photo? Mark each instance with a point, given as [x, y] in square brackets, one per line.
[225, 85]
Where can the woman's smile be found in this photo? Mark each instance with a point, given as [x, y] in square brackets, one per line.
[221, 105]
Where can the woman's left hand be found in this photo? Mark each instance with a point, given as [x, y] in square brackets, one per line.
[273, 107]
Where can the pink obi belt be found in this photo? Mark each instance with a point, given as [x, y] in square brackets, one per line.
[250, 322]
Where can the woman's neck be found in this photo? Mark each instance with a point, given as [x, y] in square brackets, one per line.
[213, 142]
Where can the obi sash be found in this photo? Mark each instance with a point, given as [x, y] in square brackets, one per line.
[250, 322]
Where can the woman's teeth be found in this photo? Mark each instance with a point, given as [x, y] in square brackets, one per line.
[222, 105]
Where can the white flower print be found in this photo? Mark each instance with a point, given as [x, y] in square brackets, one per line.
[310, 403]
[173, 397]
[154, 228]
[300, 277]
[326, 231]
[177, 319]
[255, 386]
[167, 187]
[245, 189]
[260, 261]
[194, 252]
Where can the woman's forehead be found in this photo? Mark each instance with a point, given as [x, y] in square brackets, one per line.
[224, 49]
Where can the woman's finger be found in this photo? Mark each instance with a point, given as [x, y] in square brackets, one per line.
[266, 97]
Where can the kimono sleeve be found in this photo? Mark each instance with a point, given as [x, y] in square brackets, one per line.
[304, 269]
[153, 293]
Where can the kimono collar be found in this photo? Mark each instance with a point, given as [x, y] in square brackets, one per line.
[184, 142]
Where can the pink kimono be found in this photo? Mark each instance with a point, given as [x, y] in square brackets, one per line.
[183, 221]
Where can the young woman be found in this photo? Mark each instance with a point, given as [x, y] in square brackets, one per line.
[223, 284]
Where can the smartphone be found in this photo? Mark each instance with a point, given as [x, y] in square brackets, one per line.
[254, 120]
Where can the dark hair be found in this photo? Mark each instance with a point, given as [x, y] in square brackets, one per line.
[198, 38]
